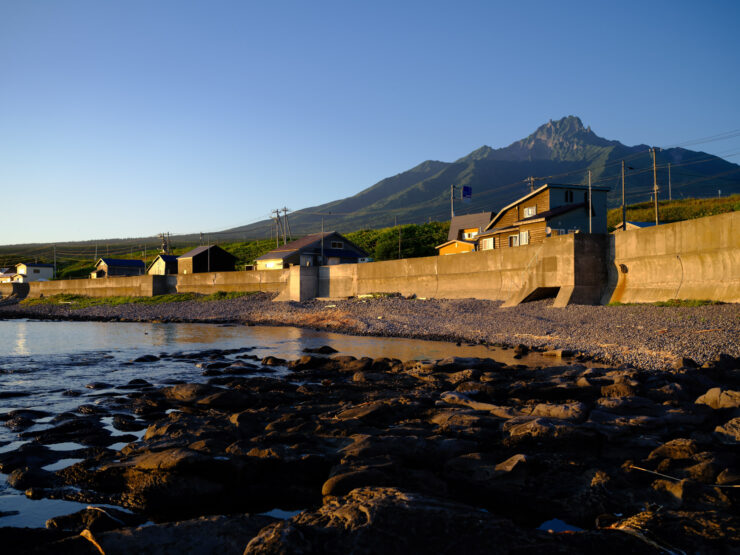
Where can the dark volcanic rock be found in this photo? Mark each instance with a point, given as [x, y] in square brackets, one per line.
[387, 520]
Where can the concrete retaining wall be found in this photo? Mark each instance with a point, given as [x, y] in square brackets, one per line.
[495, 274]
[695, 259]
[137, 286]
[256, 280]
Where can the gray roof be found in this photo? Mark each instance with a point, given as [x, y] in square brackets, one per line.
[203, 248]
[468, 221]
[288, 249]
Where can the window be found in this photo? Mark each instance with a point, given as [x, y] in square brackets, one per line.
[513, 240]
[524, 237]
[469, 234]
[36, 271]
[568, 196]
[486, 244]
[337, 245]
[530, 211]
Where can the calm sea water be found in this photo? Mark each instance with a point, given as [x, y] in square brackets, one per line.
[43, 359]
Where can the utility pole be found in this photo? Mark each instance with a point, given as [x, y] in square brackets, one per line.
[278, 227]
[589, 201]
[321, 263]
[531, 184]
[55, 261]
[624, 208]
[670, 195]
[96, 252]
[208, 250]
[286, 224]
[655, 187]
[452, 202]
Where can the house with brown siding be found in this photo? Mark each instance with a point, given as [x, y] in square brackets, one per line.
[551, 210]
[463, 234]
[319, 249]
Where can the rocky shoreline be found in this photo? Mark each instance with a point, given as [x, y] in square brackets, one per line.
[388, 456]
[644, 336]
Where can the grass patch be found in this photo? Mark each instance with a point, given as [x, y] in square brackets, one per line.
[671, 303]
[76, 302]
[675, 210]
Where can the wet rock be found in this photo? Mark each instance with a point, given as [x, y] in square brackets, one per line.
[26, 477]
[323, 350]
[127, 423]
[717, 398]
[98, 385]
[188, 392]
[94, 519]
[343, 483]
[225, 535]
[91, 409]
[729, 432]
[146, 358]
[680, 448]
[19, 423]
[273, 361]
[387, 520]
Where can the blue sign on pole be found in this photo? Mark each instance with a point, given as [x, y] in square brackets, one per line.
[467, 193]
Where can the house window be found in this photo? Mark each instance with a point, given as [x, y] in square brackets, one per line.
[486, 244]
[469, 234]
[568, 196]
[530, 211]
[35, 271]
[513, 240]
[524, 237]
[337, 245]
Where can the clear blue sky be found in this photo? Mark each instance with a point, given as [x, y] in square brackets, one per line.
[127, 118]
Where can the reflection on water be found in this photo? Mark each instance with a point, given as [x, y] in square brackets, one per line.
[20, 339]
[47, 366]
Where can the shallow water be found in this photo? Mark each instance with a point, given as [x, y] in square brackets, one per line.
[41, 360]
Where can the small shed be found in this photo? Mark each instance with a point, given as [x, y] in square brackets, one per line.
[118, 267]
[206, 258]
[309, 250]
[164, 264]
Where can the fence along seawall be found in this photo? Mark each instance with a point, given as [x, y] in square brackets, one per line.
[695, 259]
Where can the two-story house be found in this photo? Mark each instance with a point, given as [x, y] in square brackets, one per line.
[464, 231]
[550, 210]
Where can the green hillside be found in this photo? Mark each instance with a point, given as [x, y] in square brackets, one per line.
[674, 211]
[560, 151]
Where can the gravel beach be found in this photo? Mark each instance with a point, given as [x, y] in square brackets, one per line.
[644, 336]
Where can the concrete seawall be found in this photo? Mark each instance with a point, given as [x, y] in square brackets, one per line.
[136, 286]
[257, 280]
[695, 259]
[510, 275]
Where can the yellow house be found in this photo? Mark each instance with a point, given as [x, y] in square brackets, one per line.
[463, 233]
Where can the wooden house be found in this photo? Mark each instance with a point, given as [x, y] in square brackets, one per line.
[550, 210]
[463, 234]
[117, 267]
[206, 258]
[164, 264]
[319, 249]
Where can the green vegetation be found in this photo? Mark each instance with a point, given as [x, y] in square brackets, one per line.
[675, 211]
[416, 240]
[247, 252]
[76, 302]
[671, 303]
